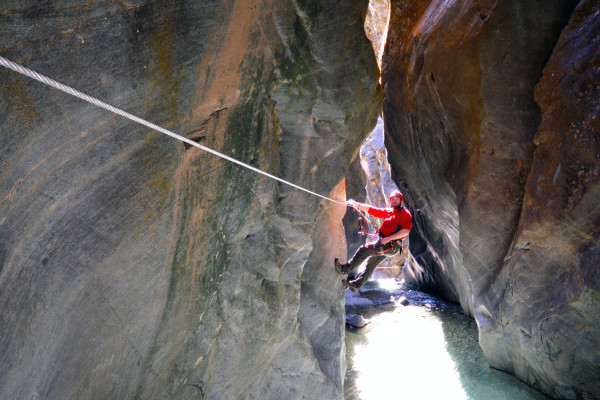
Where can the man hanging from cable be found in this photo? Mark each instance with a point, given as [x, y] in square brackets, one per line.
[397, 222]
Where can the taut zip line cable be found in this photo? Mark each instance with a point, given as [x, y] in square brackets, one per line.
[76, 93]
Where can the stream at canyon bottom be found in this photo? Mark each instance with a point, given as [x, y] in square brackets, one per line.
[427, 349]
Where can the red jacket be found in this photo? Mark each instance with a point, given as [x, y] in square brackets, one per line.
[393, 220]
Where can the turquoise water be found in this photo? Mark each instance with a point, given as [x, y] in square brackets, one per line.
[425, 350]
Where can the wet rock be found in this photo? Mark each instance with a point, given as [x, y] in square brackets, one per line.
[381, 302]
[491, 128]
[356, 321]
[132, 267]
[357, 300]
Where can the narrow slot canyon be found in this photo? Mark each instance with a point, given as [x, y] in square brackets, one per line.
[466, 101]
[140, 265]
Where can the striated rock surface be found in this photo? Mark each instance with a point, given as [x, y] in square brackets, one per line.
[491, 111]
[132, 267]
[376, 23]
[374, 162]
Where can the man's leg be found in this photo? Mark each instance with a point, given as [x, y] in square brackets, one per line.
[364, 276]
[361, 254]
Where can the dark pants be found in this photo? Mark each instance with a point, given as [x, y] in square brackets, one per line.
[375, 253]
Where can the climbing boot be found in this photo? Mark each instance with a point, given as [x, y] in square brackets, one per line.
[348, 285]
[338, 267]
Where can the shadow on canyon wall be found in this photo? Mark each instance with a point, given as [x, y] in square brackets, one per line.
[493, 132]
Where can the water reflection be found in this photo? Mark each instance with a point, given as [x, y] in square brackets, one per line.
[426, 350]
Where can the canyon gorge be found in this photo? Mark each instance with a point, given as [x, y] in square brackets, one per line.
[133, 266]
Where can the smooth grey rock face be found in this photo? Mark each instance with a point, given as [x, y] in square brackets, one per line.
[132, 267]
[492, 130]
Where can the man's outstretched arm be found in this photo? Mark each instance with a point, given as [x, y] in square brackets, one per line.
[361, 206]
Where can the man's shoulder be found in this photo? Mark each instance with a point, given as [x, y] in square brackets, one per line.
[403, 211]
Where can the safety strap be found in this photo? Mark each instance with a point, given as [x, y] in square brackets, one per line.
[362, 227]
[385, 251]
[76, 93]
[393, 243]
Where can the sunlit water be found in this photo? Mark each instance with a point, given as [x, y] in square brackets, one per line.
[425, 350]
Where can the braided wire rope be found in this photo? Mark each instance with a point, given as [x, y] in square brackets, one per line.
[99, 103]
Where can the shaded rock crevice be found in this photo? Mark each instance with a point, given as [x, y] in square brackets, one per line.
[447, 152]
[483, 115]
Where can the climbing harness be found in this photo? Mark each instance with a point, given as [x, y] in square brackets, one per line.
[99, 103]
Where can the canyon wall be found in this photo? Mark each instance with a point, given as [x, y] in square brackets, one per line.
[132, 266]
[491, 111]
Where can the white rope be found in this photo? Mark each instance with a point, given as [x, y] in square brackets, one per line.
[73, 92]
